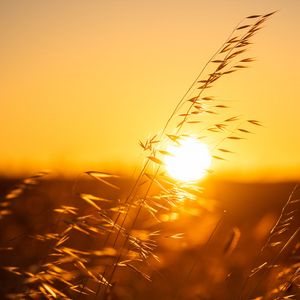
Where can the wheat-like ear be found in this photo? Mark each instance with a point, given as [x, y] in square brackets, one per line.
[225, 60]
[229, 58]
[18, 190]
[195, 108]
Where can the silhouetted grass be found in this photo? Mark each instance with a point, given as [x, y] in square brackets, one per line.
[108, 238]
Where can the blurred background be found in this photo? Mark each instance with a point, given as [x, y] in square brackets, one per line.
[206, 248]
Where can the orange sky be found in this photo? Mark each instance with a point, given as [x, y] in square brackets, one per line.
[83, 81]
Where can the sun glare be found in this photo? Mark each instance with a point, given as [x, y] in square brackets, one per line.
[188, 161]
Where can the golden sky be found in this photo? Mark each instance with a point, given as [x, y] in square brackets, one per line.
[83, 81]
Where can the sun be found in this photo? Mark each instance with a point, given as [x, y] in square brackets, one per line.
[188, 161]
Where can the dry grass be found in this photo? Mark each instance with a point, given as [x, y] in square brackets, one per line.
[97, 239]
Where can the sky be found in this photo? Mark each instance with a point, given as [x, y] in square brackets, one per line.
[83, 81]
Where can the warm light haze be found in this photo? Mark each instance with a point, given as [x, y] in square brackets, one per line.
[189, 160]
[145, 145]
[83, 81]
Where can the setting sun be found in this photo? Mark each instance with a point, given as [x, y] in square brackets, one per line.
[188, 161]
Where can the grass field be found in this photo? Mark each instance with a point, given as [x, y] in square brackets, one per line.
[220, 263]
